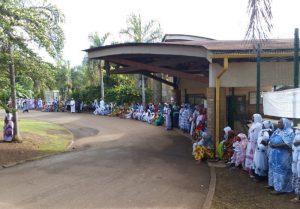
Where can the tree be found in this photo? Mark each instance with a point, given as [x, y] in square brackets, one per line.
[260, 22]
[26, 26]
[136, 31]
[97, 41]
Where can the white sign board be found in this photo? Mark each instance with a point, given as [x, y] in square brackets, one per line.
[282, 103]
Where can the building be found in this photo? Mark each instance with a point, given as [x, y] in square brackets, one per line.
[199, 69]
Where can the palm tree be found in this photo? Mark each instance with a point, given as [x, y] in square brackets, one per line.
[138, 32]
[260, 22]
[97, 41]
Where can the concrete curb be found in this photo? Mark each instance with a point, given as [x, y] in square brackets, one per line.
[211, 189]
[12, 164]
[71, 144]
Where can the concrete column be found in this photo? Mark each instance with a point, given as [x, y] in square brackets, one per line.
[211, 111]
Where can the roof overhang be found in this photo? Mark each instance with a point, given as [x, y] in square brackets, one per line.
[181, 61]
[147, 48]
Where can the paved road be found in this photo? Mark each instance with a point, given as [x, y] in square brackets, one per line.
[116, 164]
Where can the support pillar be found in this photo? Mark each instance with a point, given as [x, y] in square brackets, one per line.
[211, 110]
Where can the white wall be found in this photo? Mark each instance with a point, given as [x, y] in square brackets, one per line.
[244, 74]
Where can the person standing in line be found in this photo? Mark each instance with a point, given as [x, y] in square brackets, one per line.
[72, 105]
[168, 117]
[280, 158]
[25, 106]
[296, 166]
[260, 160]
[253, 132]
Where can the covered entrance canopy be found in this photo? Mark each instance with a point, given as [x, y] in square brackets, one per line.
[179, 61]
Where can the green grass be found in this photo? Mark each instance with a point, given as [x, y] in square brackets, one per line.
[47, 137]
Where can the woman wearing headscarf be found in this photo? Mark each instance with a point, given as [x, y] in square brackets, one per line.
[253, 132]
[228, 146]
[296, 166]
[160, 120]
[260, 160]
[8, 127]
[280, 158]
[202, 147]
[168, 117]
[221, 144]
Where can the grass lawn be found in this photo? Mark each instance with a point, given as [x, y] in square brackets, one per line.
[52, 137]
[38, 138]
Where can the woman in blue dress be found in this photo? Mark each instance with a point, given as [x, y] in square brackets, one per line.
[280, 158]
[168, 118]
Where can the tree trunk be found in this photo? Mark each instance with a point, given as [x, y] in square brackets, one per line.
[12, 75]
[143, 92]
[101, 81]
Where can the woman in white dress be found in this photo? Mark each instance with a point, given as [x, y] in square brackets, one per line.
[296, 166]
[254, 130]
[72, 104]
[260, 160]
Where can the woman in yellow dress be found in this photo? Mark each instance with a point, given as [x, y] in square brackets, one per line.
[202, 148]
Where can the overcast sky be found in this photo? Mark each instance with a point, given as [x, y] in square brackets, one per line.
[218, 19]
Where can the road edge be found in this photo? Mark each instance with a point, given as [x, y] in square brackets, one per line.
[211, 190]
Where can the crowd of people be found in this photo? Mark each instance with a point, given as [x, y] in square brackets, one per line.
[266, 154]
[25, 105]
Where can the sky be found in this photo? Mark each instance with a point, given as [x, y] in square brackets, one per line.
[218, 19]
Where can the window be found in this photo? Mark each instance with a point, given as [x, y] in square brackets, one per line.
[195, 99]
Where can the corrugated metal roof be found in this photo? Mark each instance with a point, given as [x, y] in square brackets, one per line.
[216, 46]
[234, 45]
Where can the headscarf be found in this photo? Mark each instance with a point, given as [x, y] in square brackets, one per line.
[255, 127]
[287, 134]
[257, 118]
[268, 125]
[226, 130]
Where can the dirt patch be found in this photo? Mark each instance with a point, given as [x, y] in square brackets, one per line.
[15, 152]
[32, 146]
[235, 190]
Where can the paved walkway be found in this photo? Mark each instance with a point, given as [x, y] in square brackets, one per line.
[117, 163]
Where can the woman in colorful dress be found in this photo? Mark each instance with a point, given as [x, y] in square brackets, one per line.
[296, 167]
[160, 120]
[202, 148]
[221, 144]
[8, 132]
[280, 158]
[253, 132]
[228, 146]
